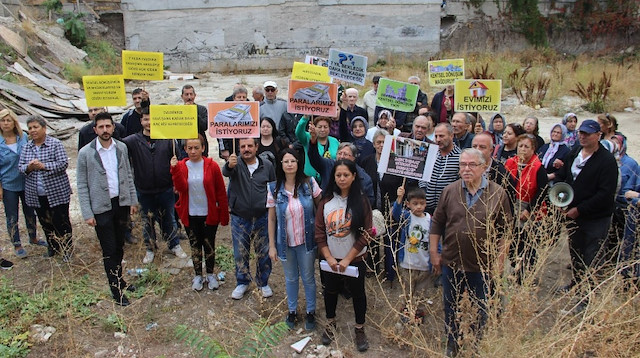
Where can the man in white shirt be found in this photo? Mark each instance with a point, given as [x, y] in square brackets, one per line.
[107, 197]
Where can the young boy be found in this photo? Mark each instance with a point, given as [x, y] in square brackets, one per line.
[413, 253]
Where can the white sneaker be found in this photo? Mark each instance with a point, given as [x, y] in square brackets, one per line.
[197, 283]
[266, 291]
[148, 257]
[177, 250]
[239, 291]
[213, 283]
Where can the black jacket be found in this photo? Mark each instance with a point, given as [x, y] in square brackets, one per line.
[248, 192]
[150, 160]
[595, 187]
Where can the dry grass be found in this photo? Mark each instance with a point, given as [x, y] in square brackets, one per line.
[564, 71]
[528, 319]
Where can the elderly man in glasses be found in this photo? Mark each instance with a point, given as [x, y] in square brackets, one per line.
[471, 217]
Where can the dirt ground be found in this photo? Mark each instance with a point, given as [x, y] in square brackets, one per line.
[214, 312]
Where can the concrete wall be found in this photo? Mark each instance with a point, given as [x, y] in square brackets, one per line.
[206, 35]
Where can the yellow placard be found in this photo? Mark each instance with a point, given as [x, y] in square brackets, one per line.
[104, 91]
[445, 72]
[306, 72]
[146, 66]
[174, 122]
[478, 95]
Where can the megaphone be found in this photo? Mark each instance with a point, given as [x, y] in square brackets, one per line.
[561, 194]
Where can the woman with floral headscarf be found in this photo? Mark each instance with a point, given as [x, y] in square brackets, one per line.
[570, 121]
[552, 153]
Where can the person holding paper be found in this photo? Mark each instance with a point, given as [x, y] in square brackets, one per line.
[202, 206]
[291, 200]
[150, 160]
[248, 178]
[343, 227]
[131, 120]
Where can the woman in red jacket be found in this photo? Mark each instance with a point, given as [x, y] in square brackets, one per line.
[530, 185]
[202, 206]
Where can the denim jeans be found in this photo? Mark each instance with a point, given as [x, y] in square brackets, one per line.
[300, 263]
[629, 244]
[454, 283]
[241, 232]
[158, 207]
[11, 201]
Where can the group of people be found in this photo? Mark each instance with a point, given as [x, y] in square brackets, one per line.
[309, 188]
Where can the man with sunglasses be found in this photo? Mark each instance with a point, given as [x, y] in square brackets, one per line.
[592, 172]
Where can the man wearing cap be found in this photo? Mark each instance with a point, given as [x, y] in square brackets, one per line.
[272, 106]
[370, 98]
[592, 172]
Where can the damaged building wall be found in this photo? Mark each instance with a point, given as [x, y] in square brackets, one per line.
[203, 35]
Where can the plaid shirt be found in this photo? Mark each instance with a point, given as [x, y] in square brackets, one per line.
[54, 177]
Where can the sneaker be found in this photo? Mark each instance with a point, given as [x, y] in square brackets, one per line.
[6, 264]
[310, 323]
[327, 335]
[177, 250]
[291, 319]
[66, 258]
[38, 242]
[148, 257]
[197, 283]
[212, 282]
[239, 291]
[21, 253]
[361, 339]
[266, 291]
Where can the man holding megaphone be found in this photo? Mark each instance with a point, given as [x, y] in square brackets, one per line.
[592, 172]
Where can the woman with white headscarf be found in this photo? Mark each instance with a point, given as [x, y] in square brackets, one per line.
[553, 153]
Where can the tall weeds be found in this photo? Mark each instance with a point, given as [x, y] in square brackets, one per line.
[526, 319]
[595, 93]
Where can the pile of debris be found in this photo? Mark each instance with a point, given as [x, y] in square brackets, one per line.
[42, 91]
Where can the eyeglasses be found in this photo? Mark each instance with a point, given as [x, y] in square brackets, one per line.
[289, 161]
[269, 89]
[471, 165]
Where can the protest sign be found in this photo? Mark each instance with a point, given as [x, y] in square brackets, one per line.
[445, 72]
[347, 66]
[306, 72]
[407, 158]
[174, 121]
[396, 95]
[104, 91]
[234, 119]
[146, 66]
[478, 95]
[315, 60]
[313, 98]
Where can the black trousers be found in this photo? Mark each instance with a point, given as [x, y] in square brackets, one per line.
[587, 244]
[56, 225]
[202, 236]
[111, 228]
